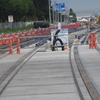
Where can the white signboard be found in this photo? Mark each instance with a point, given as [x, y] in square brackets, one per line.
[59, 25]
[63, 35]
[10, 18]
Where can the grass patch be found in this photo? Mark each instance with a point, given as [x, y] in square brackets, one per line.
[9, 30]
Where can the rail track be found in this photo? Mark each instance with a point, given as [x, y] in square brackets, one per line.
[93, 94]
[20, 62]
[10, 70]
[86, 79]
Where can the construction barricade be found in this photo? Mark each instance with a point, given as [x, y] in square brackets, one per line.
[9, 39]
[92, 41]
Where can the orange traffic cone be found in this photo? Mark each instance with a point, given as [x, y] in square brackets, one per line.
[10, 50]
[18, 49]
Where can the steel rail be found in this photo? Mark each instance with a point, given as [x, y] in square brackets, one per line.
[20, 62]
[87, 81]
[74, 77]
[90, 87]
[9, 71]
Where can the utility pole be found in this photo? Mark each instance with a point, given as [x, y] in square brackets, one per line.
[58, 17]
[49, 10]
[53, 12]
[67, 15]
[61, 17]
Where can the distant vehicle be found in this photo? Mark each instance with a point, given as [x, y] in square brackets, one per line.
[41, 25]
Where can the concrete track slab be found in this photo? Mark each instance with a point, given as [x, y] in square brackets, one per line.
[44, 97]
[47, 76]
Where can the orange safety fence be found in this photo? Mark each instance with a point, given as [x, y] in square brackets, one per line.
[9, 39]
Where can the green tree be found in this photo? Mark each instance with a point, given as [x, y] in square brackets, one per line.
[72, 16]
[41, 11]
[4, 10]
[24, 10]
[20, 8]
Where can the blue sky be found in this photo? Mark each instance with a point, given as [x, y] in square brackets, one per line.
[82, 5]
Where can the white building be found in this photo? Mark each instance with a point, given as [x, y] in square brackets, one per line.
[83, 17]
